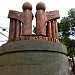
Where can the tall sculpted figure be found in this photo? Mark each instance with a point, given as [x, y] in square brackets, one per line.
[20, 22]
[27, 25]
[40, 19]
[50, 29]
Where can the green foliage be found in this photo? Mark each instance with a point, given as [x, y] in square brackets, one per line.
[67, 29]
[71, 52]
[64, 24]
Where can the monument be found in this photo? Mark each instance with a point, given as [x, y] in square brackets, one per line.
[27, 54]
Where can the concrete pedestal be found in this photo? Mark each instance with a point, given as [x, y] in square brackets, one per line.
[33, 58]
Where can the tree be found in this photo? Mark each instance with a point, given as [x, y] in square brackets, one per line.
[67, 29]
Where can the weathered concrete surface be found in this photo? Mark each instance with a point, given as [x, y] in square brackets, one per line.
[33, 58]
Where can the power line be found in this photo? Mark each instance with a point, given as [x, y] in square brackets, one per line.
[3, 26]
[4, 29]
[3, 34]
[2, 15]
[3, 40]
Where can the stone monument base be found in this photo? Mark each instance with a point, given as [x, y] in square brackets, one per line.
[33, 58]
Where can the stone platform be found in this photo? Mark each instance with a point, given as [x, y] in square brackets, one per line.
[33, 57]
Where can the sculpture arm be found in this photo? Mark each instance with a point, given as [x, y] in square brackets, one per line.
[52, 15]
[15, 15]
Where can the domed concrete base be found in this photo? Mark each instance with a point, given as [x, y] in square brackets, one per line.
[33, 58]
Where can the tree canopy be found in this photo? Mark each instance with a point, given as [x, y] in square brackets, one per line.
[67, 29]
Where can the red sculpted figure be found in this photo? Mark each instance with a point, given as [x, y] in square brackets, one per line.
[20, 22]
[27, 24]
[50, 29]
[40, 19]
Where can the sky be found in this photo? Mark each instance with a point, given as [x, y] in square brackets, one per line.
[5, 5]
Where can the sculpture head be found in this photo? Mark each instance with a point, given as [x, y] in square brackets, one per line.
[27, 5]
[41, 6]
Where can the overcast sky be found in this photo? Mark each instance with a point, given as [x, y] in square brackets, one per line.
[5, 5]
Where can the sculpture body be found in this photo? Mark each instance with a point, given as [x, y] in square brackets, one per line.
[40, 19]
[27, 23]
